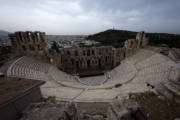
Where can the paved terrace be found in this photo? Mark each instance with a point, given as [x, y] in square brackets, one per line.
[129, 77]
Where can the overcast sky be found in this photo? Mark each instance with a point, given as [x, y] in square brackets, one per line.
[90, 16]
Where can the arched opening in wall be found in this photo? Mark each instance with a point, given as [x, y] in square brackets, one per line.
[84, 52]
[92, 52]
[99, 63]
[124, 54]
[84, 64]
[20, 37]
[140, 43]
[88, 63]
[80, 64]
[61, 59]
[38, 36]
[23, 47]
[39, 47]
[76, 53]
[31, 48]
[77, 64]
[106, 59]
[30, 38]
[68, 53]
[88, 52]
[72, 61]
[14, 41]
[178, 79]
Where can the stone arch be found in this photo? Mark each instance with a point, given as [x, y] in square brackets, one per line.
[88, 52]
[77, 64]
[85, 63]
[23, 47]
[106, 59]
[76, 53]
[88, 63]
[99, 63]
[93, 63]
[72, 61]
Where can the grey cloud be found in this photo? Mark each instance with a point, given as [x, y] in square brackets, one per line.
[90, 16]
[150, 13]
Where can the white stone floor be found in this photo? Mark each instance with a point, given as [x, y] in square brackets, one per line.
[133, 74]
[94, 80]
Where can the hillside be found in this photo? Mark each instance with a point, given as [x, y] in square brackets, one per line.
[172, 40]
[4, 33]
[4, 39]
[116, 38]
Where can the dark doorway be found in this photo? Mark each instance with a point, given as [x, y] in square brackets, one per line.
[72, 61]
[99, 63]
[88, 63]
[77, 64]
[24, 48]
[141, 43]
[112, 63]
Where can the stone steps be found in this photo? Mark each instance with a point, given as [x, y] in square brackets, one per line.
[140, 56]
[29, 68]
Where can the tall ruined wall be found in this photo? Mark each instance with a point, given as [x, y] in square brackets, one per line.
[76, 58]
[30, 43]
[132, 45]
[84, 58]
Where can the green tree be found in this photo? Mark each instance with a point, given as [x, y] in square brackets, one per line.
[55, 47]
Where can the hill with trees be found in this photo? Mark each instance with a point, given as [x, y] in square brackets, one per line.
[116, 38]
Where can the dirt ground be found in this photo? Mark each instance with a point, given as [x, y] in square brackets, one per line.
[10, 87]
[156, 107]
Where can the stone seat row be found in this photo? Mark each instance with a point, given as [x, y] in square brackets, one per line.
[122, 73]
[33, 64]
[122, 69]
[57, 74]
[64, 78]
[153, 60]
[23, 72]
[155, 69]
[29, 68]
[140, 55]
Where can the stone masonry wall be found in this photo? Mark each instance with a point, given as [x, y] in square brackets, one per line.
[76, 58]
[30, 43]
